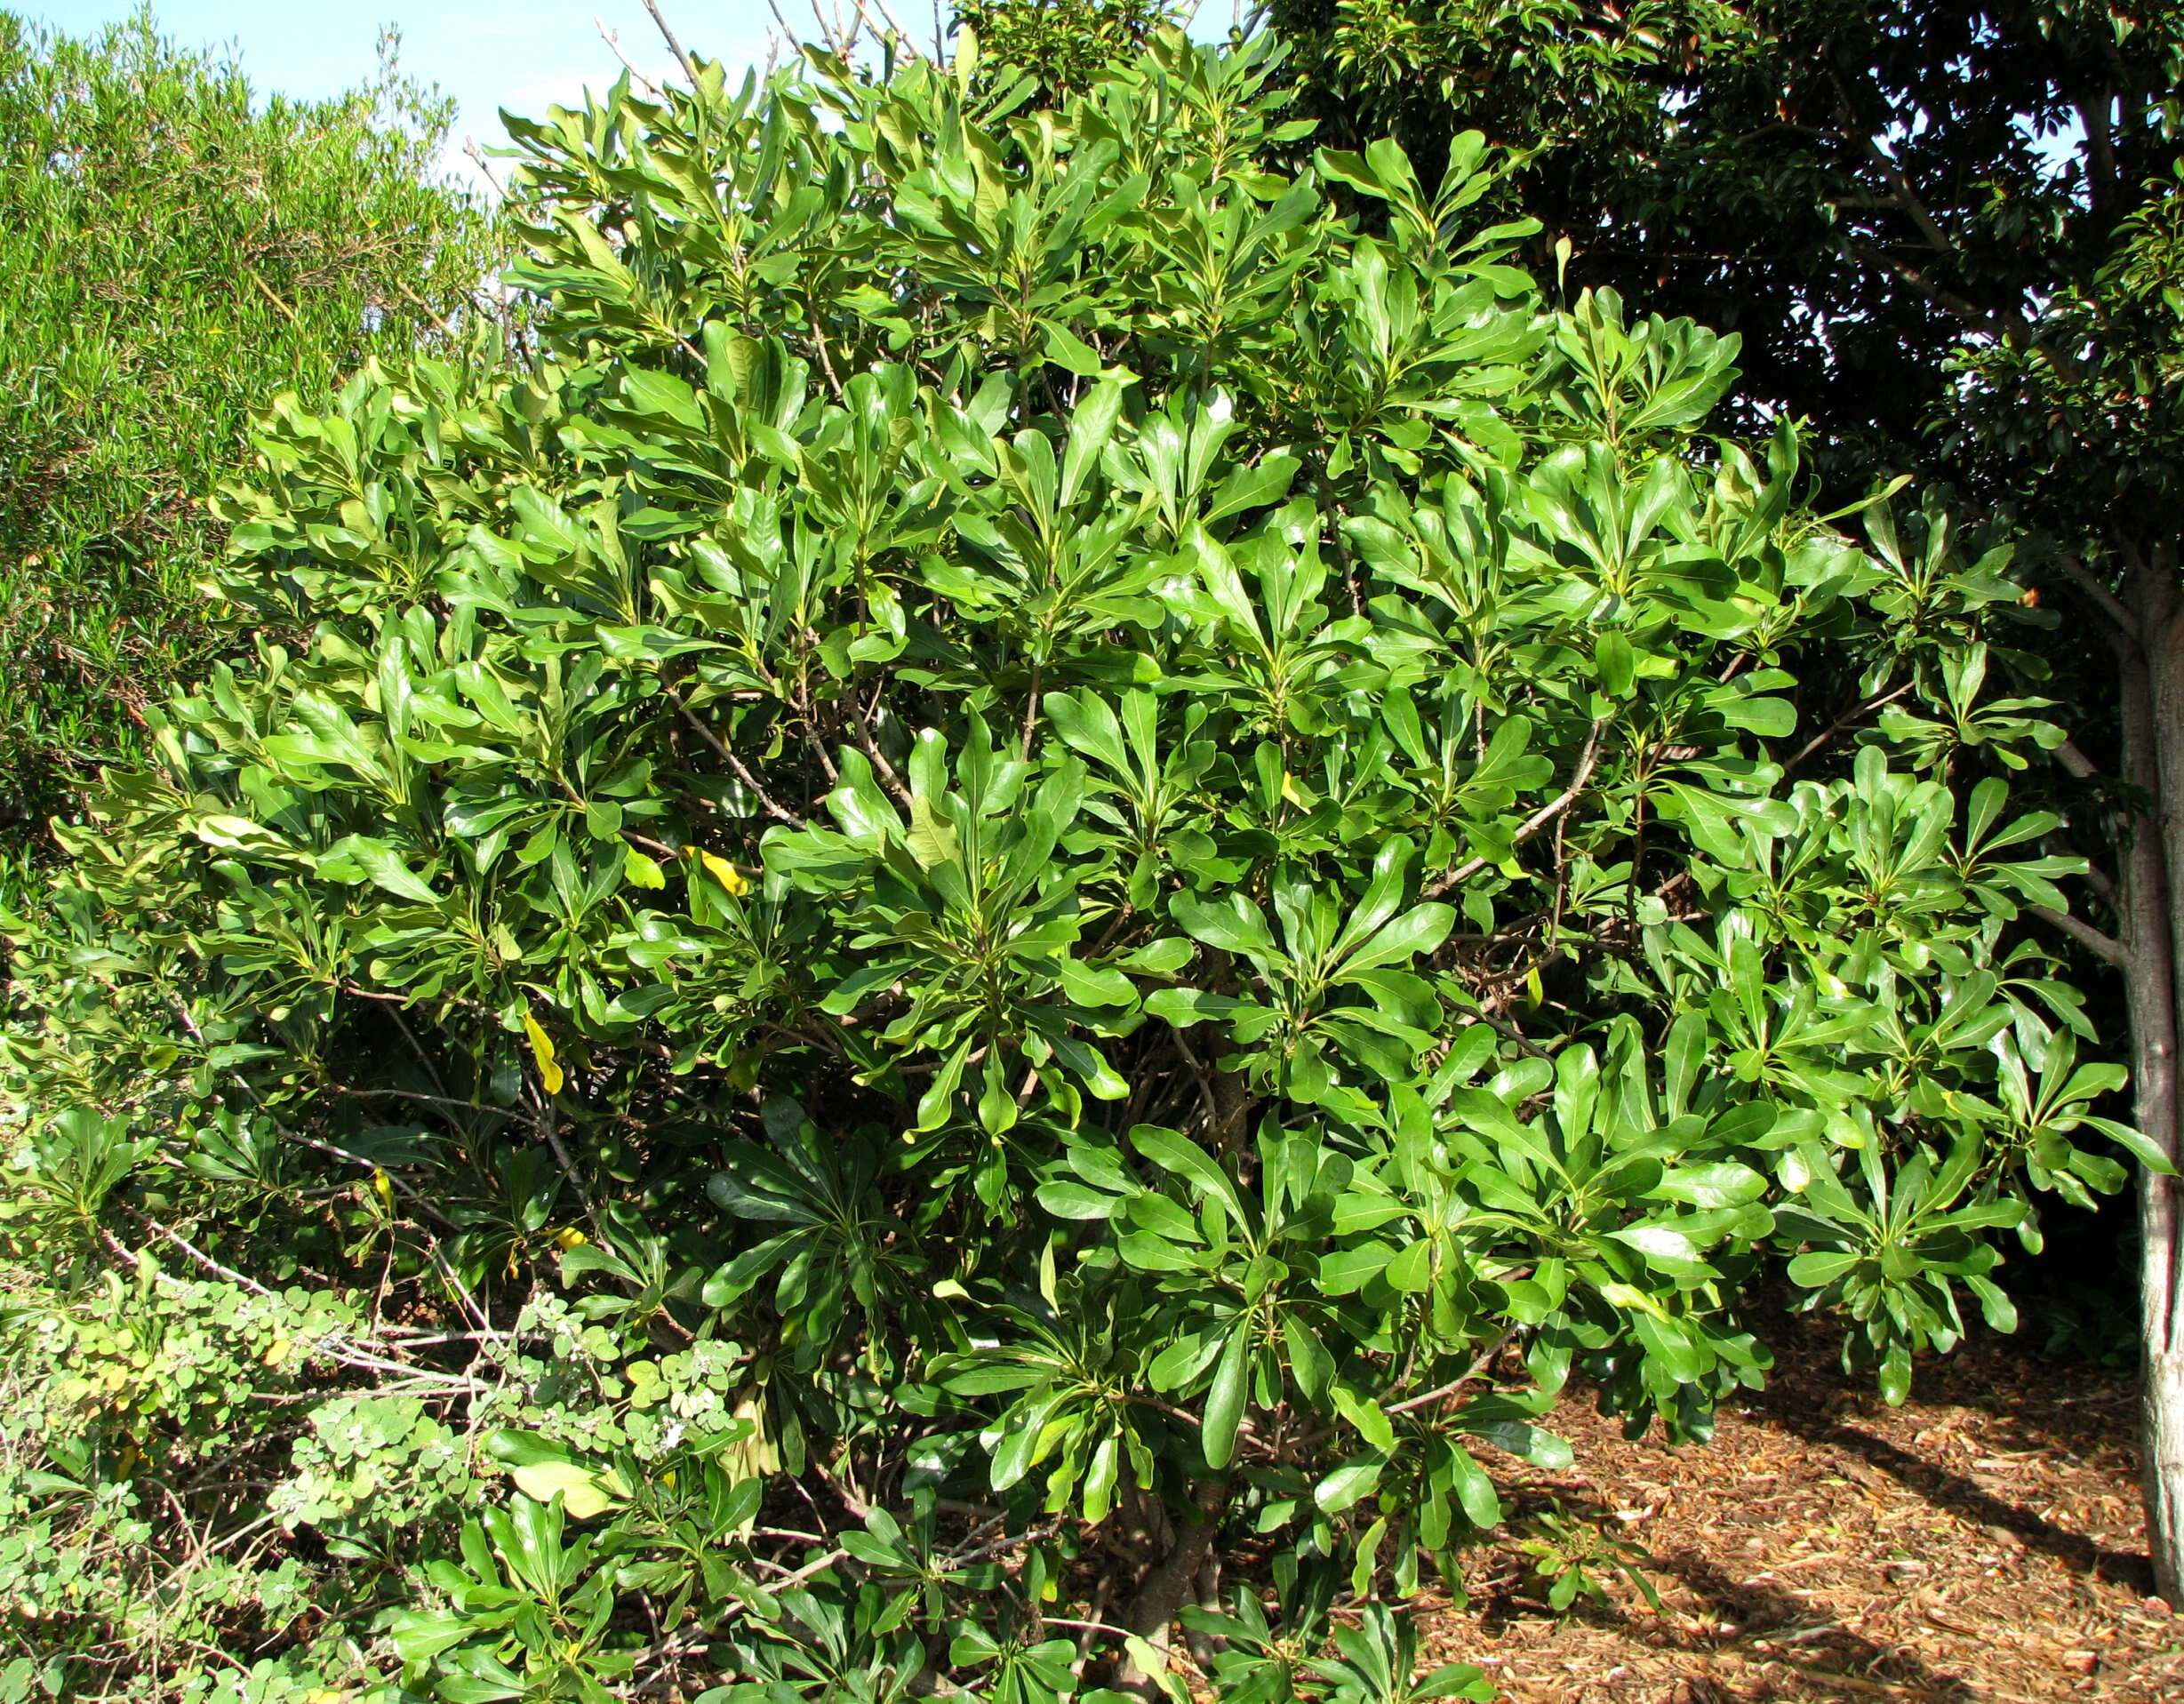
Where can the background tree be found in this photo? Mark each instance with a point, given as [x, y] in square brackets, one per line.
[1062, 45]
[1947, 234]
[168, 258]
[1037, 860]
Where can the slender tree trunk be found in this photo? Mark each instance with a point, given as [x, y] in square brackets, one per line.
[1168, 1584]
[2153, 872]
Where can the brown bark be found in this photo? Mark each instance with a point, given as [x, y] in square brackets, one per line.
[1169, 1583]
[2153, 927]
[1232, 1101]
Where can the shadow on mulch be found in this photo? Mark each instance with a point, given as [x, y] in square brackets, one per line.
[1984, 1542]
[1967, 1499]
[1739, 1612]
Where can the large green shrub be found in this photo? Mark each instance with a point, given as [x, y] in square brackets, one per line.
[1038, 869]
[168, 258]
[1949, 237]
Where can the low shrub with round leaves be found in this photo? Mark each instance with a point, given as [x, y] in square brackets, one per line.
[1157, 859]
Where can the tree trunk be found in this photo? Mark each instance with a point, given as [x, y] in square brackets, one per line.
[2153, 872]
[1169, 1583]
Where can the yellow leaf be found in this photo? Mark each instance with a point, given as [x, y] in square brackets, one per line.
[1289, 790]
[585, 1491]
[725, 873]
[385, 1189]
[275, 1352]
[753, 1454]
[569, 1236]
[933, 838]
[542, 1051]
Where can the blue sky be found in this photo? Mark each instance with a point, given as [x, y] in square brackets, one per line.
[486, 54]
[521, 54]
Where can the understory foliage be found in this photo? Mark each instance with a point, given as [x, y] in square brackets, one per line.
[1038, 870]
[169, 259]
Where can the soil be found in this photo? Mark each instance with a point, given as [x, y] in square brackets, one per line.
[1984, 1542]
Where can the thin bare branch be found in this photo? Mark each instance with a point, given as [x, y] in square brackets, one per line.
[1856, 713]
[1479, 1364]
[789, 36]
[861, 721]
[198, 1254]
[689, 68]
[2101, 946]
[614, 46]
[778, 812]
[1974, 315]
[892, 28]
[1539, 819]
[2102, 598]
[825, 361]
[840, 37]
[470, 147]
[1906, 198]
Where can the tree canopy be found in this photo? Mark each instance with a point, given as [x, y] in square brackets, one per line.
[1859, 191]
[169, 257]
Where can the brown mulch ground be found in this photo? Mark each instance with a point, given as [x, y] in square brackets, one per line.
[1983, 1542]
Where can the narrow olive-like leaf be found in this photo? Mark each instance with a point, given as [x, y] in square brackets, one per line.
[1224, 1398]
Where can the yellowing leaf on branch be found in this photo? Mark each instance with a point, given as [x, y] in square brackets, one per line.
[723, 872]
[585, 1491]
[542, 1051]
[933, 838]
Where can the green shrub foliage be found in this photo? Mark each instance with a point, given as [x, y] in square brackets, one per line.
[1037, 869]
[169, 257]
